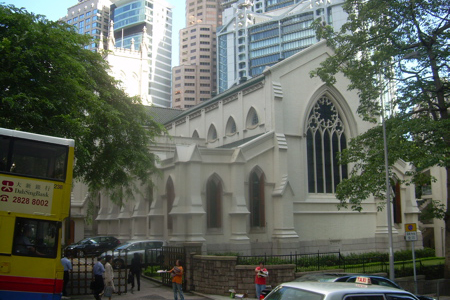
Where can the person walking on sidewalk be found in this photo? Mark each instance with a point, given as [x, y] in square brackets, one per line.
[98, 270]
[260, 279]
[135, 270]
[109, 278]
[177, 280]
[65, 261]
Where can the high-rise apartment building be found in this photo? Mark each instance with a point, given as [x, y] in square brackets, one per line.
[90, 17]
[194, 80]
[259, 33]
[130, 17]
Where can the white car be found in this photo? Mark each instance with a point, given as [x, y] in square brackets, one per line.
[337, 291]
[149, 250]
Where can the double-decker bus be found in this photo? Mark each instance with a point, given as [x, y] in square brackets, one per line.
[35, 187]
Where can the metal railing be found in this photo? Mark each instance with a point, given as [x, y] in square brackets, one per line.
[309, 262]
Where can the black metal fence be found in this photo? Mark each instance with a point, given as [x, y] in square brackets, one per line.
[303, 262]
[310, 262]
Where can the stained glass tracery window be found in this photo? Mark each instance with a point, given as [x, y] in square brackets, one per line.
[325, 138]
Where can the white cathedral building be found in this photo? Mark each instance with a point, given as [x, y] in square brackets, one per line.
[254, 171]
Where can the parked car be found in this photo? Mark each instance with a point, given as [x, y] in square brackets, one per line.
[92, 246]
[350, 277]
[150, 249]
[337, 291]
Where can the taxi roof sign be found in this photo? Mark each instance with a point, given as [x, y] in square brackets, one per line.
[363, 280]
[410, 227]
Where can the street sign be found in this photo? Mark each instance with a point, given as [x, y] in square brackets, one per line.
[411, 232]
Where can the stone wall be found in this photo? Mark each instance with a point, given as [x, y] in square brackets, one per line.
[218, 274]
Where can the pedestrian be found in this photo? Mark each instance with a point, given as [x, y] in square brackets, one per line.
[177, 278]
[65, 261]
[109, 278]
[98, 271]
[261, 274]
[135, 270]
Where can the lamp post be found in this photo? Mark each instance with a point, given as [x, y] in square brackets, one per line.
[388, 195]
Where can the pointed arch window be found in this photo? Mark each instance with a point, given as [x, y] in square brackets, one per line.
[257, 203]
[397, 202]
[325, 137]
[252, 119]
[170, 194]
[195, 134]
[214, 203]
[231, 126]
[212, 133]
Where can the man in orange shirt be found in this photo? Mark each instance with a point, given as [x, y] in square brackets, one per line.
[177, 280]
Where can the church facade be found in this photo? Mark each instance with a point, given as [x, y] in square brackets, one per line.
[254, 171]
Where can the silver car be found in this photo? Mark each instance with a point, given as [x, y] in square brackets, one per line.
[336, 291]
[149, 250]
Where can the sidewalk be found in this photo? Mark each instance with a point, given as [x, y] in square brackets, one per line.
[151, 290]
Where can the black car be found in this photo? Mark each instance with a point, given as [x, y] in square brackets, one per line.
[92, 246]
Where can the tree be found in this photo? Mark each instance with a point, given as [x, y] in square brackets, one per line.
[50, 84]
[399, 47]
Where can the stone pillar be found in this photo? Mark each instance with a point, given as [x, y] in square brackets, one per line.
[239, 212]
[187, 210]
[284, 235]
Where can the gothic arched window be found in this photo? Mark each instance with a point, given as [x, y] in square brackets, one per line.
[325, 138]
[252, 119]
[212, 133]
[257, 205]
[170, 194]
[231, 126]
[397, 202]
[214, 203]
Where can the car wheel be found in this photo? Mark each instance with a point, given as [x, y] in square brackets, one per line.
[80, 253]
[118, 264]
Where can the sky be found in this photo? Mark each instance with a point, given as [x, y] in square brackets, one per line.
[55, 9]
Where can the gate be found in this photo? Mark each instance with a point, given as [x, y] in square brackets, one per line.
[168, 260]
[81, 277]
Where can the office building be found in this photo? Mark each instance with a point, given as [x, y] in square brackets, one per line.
[90, 17]
[257, 34]
[194, 80]
[130, 17]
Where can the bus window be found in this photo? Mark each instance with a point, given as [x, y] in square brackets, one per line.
[38, 238]
[4, 146]
[34, 158]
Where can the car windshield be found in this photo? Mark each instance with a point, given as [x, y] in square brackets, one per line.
[122, 246]
[287, 293]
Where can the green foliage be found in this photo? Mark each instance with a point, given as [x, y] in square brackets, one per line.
[396, 51]
[50, 84]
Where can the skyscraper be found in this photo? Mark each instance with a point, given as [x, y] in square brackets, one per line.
[195, 81]
[90, 17]
[130, 17]
[259, 33]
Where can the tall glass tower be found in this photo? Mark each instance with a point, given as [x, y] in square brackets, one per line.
[258, 33]
[130, 17]
[90, 17]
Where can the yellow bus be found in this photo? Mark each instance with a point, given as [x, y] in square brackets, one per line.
[35, 187]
